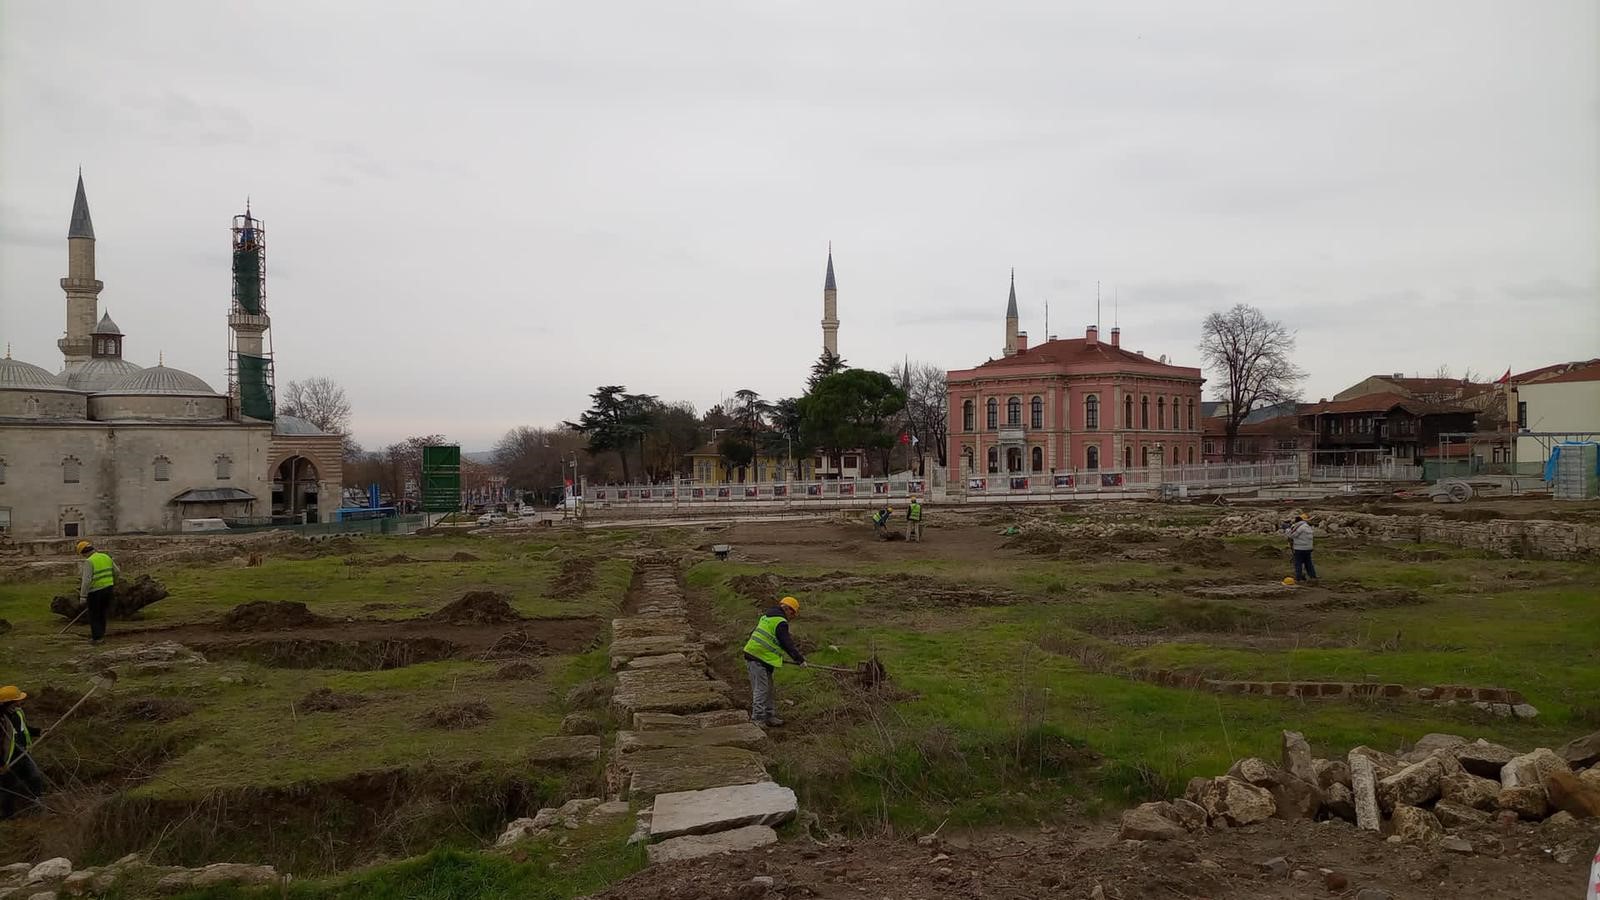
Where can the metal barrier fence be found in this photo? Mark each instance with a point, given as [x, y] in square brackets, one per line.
[1385, 472]
[391, 525]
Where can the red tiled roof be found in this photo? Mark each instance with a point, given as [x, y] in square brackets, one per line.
[1072, 352]
[1377, 403]
[1218, 425]
[1543, 373]
[1589, 371]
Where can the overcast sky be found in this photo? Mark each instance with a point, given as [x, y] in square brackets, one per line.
[478, 212]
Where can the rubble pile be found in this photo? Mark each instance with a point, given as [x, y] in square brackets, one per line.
[1509, 537]
[129, 876]
[1443, 783]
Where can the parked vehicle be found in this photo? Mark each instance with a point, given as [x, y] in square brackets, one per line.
[493, 518]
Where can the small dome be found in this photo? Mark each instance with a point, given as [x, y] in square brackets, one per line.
[161, 380]
[99, 374]
[107, 326]
[294, 425]
[16, 375]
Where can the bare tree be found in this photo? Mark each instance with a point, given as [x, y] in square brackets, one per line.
[1249, 354]
[320, 401]
[927, 409]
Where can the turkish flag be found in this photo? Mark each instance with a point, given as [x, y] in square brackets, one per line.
[905, 438]
[1506, 378]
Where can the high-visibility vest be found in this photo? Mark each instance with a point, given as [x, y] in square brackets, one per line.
[104, 571]
[11, 744]
[915, 514]
[880, 517]
[763, 643]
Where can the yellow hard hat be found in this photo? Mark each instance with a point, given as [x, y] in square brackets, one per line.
[1289, 580]
[790, 603]
[82, 546]
[1305, 517]
[11, 694]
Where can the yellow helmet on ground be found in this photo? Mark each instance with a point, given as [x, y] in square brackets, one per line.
[11, 694]
[790, 603]
[82, 546]
[1289, 580]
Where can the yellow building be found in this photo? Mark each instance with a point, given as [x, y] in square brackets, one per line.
[710, 468]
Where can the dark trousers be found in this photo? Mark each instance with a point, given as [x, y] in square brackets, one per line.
[99, 603]
[1303, 567]
[20, 786]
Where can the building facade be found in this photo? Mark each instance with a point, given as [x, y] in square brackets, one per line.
[107, 446]
[1370, 428]
[1562, 399]
[1080, 404]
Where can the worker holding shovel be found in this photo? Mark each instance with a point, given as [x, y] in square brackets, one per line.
[20, 779]
[763, 654]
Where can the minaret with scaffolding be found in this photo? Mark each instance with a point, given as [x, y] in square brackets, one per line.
[250, 383]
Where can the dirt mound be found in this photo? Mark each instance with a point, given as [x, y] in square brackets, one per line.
[127, 599]
[350, 653]
[1266, 551]
[517, 671]
[156, 709]
[269, 615]
[1038, 543]
[513, 644]
[463, 556]
[458, 715]
[1382, 599]
[575, 578]
[1206, 551]
[327, 700]
[762, 588]
[477, 608]
[397, 559]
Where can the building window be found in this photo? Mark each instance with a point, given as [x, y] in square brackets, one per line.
[224, 467]
[1191, 454]
[163, 468]
[992, 415]
[967, 457]
[1013, 459]
[1161, 412]
[70, 470]
[1036, 413]
[1191, 413]
[1176, 424]
[191, 408]
[30, 407]
[1127, 457]
[850, 462]
[1522, 415]
[1014, 411]
[2, 471]
[5, 519]
[1127, 412]
[1091, 457]
[1144, 413]
[1038, 459]
[1091, 413]
[1144, 457]
[1208, 448]
[969, 417]
[994, 458]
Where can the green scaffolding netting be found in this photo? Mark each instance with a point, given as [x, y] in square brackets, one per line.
[255, 386]
[247, 279]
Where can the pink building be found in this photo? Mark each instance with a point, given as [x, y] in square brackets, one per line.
[1077, 404]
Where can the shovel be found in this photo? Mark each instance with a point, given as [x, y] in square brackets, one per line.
[870, 673]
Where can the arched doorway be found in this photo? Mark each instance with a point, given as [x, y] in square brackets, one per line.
[294, 489]
[1014, 459]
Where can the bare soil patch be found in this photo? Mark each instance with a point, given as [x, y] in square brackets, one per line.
[514, 644]
[463, 556]
[329, 700]
[156, 709]
[477, 608]
[1368, 599]
[518, 671]
[269, 615]
[575, 578]
[458, 715]
[899, 589]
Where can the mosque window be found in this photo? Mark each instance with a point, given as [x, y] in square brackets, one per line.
[30, 407]
[224, 467]
[163, 469]
[191, 408]
[70, 470]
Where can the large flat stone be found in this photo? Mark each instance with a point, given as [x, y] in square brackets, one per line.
[721, 809]
[665, 660]
[669, 697]
[747, 735]
[623, 651]
[653, 721]
[694, 846]
[652, 772]
[565, 749]
[650, 626]
[685, 676]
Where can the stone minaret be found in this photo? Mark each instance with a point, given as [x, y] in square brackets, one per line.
[80, 285]
[1011, 317]
[830, 309]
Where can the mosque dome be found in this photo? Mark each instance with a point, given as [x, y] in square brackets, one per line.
[16, 375]
[161, 380]
[99, 374]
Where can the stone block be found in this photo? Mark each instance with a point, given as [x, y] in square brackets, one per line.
[50, 871]
[694, 846]
[634, 627]
[670, 696]
[1528, 802]
[1339, 801]
[1428, 743]
[747, 735]
[1584, 751]
[580, 723]
[1414, 825]
[1296, 756]
[1383, 764]
[1414, 785]
[1468, 789]
[1457, 815]
[721, 808]
[1531, 768]
[1572, 794]
[565, 750]
[665, 660]
[1234, 802]
[1151, 822]
[1330, 772]
[624, 651]
[1483, 758]
[652, 772]
[1363, 787]
[1189, 814]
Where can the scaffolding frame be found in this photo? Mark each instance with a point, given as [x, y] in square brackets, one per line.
[249, 236]
[1545, 439]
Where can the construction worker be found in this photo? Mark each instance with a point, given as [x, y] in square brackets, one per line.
[20, 780]
[1301, 535]
[914, 520]
[880, 523]
[763, 653]
[97, 580]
